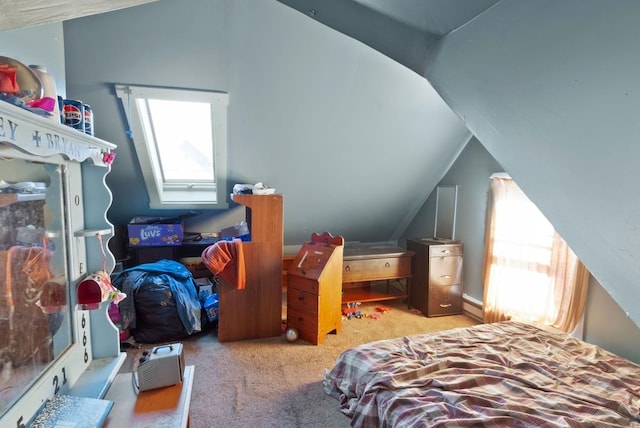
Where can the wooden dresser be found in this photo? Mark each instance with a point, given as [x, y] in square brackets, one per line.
[436, 288]
[364, 263]
[314, 287]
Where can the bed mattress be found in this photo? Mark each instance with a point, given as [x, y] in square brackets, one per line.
[501, 374]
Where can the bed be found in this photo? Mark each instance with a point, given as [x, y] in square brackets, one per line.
[501, 374]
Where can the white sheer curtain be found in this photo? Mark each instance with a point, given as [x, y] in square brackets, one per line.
[530, 273]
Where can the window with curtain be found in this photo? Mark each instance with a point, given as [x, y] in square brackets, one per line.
[530, 273]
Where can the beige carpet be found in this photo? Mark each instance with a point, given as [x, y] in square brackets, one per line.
[275, 383]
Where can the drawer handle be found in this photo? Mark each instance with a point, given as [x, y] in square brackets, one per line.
[448, 305]
[445, 276]
[387, 265]
[347, 268]
[446, 251]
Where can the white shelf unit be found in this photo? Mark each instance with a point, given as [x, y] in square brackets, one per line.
[90, 363]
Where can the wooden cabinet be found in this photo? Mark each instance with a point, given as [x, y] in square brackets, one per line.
[365, 263]
[437, 276]
[256, 310]
[314, 288]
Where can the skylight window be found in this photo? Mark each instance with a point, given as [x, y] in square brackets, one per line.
[180, 137]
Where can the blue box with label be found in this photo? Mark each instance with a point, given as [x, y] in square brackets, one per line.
[145, 231]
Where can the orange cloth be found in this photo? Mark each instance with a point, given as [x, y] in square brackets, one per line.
[226, 258]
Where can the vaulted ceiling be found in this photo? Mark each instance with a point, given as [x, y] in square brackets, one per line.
[406, 31]
[533, 98]
[536, 100]
[415, 25]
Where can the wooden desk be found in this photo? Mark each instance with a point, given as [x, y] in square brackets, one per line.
[314, 288]
[364, 263]
[166, 407]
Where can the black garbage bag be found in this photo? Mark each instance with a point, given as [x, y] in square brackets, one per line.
[162, 303]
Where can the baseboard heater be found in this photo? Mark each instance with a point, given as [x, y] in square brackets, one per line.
[472, 307]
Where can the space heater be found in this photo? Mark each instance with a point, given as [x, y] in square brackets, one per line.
[161, 366]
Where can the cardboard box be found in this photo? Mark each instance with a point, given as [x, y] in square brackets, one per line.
[152, 231]
[196, 267]
[205, 288]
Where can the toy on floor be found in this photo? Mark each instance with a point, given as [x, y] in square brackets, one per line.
[291, 334]
[352, 311]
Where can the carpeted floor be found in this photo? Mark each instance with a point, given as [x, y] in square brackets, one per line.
[274, 383]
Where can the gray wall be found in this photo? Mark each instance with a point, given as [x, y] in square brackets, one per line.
[605, 322]
[343, 132]
[471, 173]
[133, 56]
[354, 141]
[551, 90]
[40, 45]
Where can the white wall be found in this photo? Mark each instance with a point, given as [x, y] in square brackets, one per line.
[552, 90]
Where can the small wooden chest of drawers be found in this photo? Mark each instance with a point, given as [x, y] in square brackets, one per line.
[314, 285]
[437, 276]
[360, 265]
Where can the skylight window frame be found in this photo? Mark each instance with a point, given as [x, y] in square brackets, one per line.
[171, 194]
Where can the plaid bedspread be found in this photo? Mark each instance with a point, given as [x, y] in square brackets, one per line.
[505, 374]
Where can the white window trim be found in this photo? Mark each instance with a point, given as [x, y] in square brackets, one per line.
[188, 195]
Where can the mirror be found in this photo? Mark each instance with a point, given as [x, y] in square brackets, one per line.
[34, 315]
[446, 208]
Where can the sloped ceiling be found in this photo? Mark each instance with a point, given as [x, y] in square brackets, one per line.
[537, 101]
[325, 120]
[406, 31]
[27, 13]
